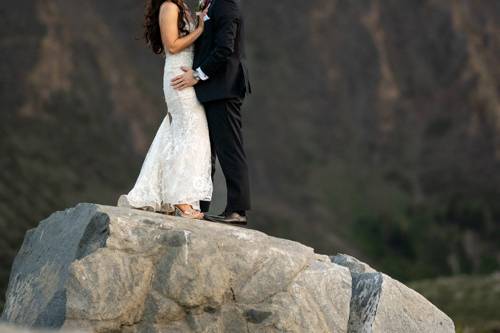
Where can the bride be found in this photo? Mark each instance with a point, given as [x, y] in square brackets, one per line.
[176, 173]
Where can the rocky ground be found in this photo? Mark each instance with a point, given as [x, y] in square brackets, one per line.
[108, 269]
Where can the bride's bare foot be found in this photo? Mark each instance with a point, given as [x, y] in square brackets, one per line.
[187, 211]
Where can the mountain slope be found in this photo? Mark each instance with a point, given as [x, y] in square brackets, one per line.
[376, 122]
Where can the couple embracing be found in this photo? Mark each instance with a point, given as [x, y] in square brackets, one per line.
[205, 81]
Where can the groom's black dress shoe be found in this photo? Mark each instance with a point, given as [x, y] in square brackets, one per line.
[226, 217]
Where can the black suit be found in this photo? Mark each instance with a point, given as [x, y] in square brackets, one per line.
[220, 54]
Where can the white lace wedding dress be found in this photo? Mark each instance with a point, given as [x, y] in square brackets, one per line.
[177, 167]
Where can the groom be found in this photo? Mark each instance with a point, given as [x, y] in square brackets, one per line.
[220, 79]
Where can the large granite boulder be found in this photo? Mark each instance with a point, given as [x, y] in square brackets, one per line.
[110, 269]
[382, 304]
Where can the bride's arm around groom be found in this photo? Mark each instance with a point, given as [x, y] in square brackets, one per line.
[219, 55]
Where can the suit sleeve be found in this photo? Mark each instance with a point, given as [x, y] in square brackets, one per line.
[224, 41]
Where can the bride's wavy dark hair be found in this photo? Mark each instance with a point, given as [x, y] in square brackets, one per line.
[152, 33]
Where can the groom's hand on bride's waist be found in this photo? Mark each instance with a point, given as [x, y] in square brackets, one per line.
[187, 79]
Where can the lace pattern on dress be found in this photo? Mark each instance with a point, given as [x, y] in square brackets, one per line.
[177, 167]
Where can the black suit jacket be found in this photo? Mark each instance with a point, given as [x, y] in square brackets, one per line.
[220, 53]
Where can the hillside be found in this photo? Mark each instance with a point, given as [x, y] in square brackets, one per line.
[472, 301]
[374, 127]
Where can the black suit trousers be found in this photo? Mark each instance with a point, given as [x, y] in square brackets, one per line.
[226, 139]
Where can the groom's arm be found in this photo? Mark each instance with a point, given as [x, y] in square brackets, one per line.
[227, 20]
[227, 23]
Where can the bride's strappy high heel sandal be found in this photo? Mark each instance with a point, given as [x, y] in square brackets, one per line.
[190, 213]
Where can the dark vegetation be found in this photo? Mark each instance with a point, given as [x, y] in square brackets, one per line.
[374, 127]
